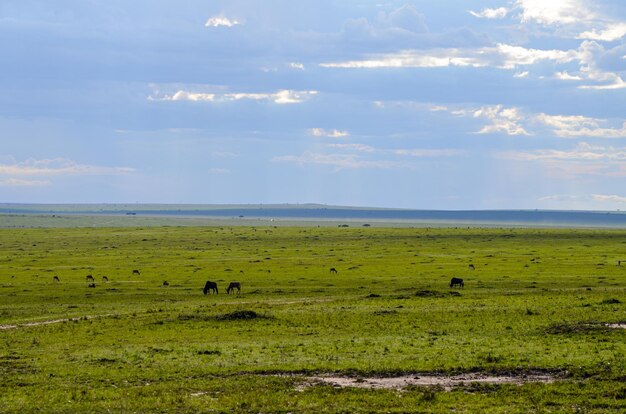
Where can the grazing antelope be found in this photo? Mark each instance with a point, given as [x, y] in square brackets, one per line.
[136, 272]
[165, 283]
[55, 279]
[105, 279]
[210, 286]
[89, 278]
[333, 270]
[471, 267]
[91, 285]
[232, 286]
[455, 281]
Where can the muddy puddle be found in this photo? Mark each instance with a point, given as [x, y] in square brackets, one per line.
[447, 382]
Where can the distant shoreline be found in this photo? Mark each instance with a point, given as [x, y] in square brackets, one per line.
[49, 215]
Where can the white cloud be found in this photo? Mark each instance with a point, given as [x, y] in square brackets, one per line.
[609, 198]
[487, 13]
[501, 56]
[514, 121]
[352, 154]
[427, 153]
[506, 120]
[191, 96]
[614, 81]
[513, 56]
[280, 97]
[566, 76]
[289, 96]
[296, 65]
[584, 160]
[221, 21]
[16, 182]
[600, 201]
[573, 126]
[573, 155]
[437, 108]
[572, 15]
[58, 166]
[413, 152]
[339, 161]
[589, 69]
[554, 12]
[582, 152]
[333, 133]
[611, 32]
[411, 59]
[356, 147]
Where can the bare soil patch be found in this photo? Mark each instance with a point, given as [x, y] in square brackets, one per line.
[447, 382]
[50, 322]
[584, 327]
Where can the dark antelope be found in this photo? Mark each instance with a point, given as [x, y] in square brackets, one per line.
[136, 272]
[232, 286]
[455, 281]
[210, 286]
[165, 283]
[471, 267]
[91, 285]
[105, 279]
[333, 270]
[89, 278]
[55, 279]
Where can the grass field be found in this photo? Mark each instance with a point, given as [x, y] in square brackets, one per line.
[539, 302]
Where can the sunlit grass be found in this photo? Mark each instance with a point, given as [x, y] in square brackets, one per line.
[538, 300]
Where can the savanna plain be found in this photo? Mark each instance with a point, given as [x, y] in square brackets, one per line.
[542, 308]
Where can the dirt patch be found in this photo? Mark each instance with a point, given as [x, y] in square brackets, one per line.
[50, 322]
[584, 327]
[446, 382]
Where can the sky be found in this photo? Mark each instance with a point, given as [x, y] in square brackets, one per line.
[498, 104]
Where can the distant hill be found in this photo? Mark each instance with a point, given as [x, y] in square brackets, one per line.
[309, 212]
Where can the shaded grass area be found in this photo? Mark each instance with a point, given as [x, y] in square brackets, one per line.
[536, 301]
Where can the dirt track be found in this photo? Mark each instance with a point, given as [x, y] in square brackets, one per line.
[51, 321]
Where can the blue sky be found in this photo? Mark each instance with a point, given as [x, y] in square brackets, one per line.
[429, 105]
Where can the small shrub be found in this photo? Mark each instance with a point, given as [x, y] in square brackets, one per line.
[428, 294]
[210, 352]
[239, 315]
[385, 312]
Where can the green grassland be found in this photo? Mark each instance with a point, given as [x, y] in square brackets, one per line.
[538, 301]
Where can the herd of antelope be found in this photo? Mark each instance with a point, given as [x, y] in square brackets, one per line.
[211, 287]
[208, 287]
